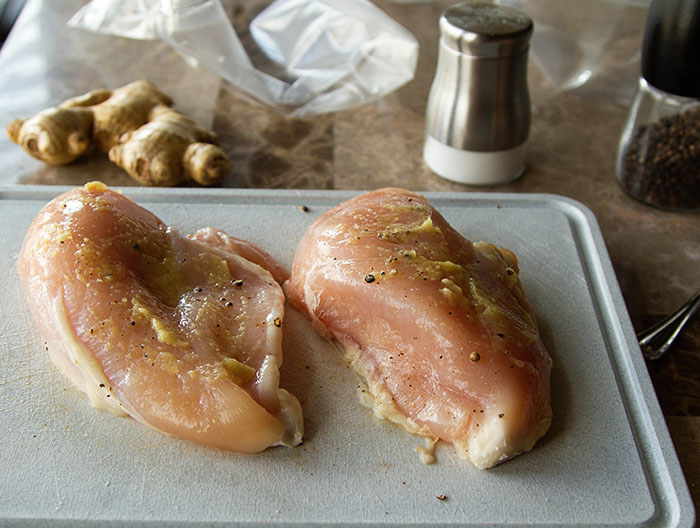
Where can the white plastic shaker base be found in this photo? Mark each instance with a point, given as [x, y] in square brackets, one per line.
[471, 167]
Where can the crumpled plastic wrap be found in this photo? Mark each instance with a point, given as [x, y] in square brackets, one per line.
[570, 36]
[301, 56]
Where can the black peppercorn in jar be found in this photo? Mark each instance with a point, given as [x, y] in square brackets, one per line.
[659, 156]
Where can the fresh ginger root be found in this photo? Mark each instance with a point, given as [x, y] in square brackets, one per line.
[59, 135]
[169, 150]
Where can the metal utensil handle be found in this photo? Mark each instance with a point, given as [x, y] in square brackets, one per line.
[655, 340]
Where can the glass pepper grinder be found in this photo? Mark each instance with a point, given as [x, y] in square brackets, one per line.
[658, 160]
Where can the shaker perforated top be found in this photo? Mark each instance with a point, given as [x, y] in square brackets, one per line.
[486, 30]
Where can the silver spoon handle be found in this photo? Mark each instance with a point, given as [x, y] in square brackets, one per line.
[655, 340]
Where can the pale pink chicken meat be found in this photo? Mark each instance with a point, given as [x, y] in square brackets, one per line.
[438, 327]
[247, 250]
[183, 335]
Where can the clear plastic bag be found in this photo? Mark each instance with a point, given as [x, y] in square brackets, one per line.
[570, 36]
[308, 56]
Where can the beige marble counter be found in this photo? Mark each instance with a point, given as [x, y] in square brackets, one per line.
[573, 144]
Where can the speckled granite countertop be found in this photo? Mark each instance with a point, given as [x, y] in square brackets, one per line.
[574, 138]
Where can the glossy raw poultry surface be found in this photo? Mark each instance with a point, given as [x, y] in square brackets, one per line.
[221, 239]
[438, 327]
[183, 335]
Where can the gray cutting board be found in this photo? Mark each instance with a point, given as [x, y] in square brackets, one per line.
[607, 459]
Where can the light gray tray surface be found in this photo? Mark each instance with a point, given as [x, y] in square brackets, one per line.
[606, 460]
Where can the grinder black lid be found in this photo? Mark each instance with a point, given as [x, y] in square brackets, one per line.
[671, 47]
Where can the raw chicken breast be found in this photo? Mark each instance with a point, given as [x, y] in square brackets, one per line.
[438, 327]
[183, 335]
[218, 238]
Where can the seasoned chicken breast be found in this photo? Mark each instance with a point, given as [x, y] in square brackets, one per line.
[218, 238]
[183, 335]
[437, 326]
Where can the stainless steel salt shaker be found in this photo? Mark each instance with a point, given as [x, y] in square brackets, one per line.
[478, 114]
